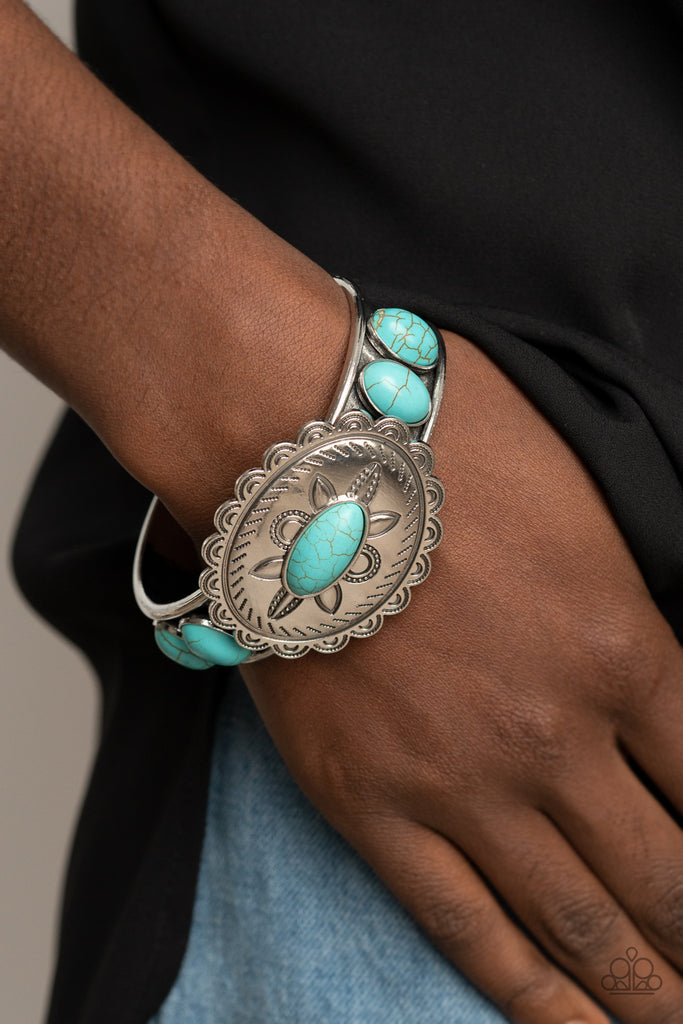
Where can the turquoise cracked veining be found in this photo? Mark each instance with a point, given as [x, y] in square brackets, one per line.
[406, 335]
[177, 650]
[325, 549]
[395, 390]
[213, 645]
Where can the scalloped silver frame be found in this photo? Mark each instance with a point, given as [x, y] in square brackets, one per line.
[254, 483]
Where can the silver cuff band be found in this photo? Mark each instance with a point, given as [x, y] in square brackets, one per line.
[362, 491]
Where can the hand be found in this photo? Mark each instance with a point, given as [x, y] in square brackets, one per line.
[483, 739]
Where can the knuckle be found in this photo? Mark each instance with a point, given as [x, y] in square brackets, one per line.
[665, 917]
[581, 927]
[626, 663]
[535, 735]
[540, 988]
[453, 924]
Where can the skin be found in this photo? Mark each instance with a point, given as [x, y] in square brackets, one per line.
[492, 756]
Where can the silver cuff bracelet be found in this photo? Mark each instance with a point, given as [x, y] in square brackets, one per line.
[329, 534]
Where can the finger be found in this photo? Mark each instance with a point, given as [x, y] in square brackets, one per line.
[458, 912]
[631, 843]
[571, 914]
[650, 727]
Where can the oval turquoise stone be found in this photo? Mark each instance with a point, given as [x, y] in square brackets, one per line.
[175, 648]
[324, 550]
[407, 335]
[395, 390]
[212, 644]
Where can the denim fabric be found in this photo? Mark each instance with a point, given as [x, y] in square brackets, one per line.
[290, 926]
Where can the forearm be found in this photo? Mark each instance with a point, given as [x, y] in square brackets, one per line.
[161, 311]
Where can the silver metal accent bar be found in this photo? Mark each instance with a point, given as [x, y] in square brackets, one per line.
[340, 402]
[170, 609]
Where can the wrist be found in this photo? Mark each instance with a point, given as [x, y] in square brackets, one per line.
[267, 358]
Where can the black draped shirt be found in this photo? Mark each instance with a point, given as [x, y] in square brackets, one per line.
[510, 169]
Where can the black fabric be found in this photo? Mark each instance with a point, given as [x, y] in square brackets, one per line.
[513, 171]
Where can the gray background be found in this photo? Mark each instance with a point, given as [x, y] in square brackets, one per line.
[47, 711]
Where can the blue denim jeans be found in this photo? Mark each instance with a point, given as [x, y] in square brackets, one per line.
[290, 926]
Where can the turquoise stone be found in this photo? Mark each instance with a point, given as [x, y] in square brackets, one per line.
[395, 390]
[177, 650]
[408, 336]
[213, 645]
[325, 548]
